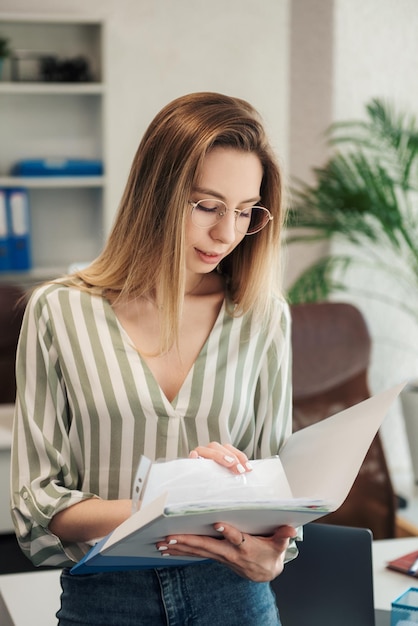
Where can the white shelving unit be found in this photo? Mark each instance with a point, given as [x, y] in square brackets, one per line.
[56, 120]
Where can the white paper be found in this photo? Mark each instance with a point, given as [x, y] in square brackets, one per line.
[203, 483]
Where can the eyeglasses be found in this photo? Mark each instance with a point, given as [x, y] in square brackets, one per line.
[207, 213]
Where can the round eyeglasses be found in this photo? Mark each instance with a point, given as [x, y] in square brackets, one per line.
[207, 213]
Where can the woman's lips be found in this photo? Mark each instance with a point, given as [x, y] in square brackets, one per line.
[208, 257]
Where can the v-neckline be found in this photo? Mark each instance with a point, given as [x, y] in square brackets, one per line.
[146, 368]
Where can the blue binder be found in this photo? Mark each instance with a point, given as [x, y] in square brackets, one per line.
[5, 264]
[19, 229]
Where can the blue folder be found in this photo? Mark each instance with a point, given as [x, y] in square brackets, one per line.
[19, 229]
[94, 562]
[58, 167]
[5, 263]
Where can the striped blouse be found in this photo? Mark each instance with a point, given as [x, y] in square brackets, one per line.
[88, 406]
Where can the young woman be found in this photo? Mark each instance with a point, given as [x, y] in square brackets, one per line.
[174, 342]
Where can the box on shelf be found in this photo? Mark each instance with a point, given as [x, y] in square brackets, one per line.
[33, 66]
[58, 167]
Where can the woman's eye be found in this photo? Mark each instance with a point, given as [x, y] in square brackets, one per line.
[246, 213]
[208, 208]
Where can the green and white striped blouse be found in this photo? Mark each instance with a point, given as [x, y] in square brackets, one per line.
[88, 406]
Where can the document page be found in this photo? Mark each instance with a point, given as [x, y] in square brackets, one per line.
[203, 484]
[323, 460]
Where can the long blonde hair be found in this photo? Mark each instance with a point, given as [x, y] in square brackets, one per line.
[145, 248]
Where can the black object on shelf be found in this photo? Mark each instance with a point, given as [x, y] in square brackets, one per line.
[56, 70]
[32, 66]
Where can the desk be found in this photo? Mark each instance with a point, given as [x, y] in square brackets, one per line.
[6, 421]
[33, 597]
[30, 598]
[387, 584]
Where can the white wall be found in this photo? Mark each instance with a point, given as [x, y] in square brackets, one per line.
[165, 49]
[376, 54]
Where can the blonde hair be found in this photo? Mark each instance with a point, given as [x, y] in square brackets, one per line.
[145, 248]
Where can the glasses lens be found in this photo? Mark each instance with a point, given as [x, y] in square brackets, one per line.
[253, 220]
[207, 213]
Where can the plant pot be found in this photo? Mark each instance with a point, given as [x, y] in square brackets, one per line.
[409, 402]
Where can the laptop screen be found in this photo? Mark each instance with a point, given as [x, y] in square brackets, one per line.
[331, 581]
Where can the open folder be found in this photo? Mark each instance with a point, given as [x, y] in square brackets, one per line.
[311, 477]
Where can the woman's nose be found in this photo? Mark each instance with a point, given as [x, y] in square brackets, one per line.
[225, 230]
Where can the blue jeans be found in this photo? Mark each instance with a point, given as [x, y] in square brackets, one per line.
[202, 594]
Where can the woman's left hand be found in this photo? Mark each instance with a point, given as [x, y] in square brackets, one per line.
[260, 559]
[223, 454]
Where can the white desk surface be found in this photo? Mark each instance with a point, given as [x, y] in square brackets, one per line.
[30, 598]
[388, 585]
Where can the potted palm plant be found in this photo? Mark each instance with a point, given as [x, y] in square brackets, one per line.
[366, 195]
[364, 202]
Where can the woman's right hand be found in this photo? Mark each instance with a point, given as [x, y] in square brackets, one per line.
[224, 454]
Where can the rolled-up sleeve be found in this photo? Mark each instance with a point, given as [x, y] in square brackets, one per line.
[44, 477]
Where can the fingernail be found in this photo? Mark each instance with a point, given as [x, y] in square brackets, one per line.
[172, 542]
[240, 468]
[220, 529]
[248, 466]
[229, 459]
[161, 548]
[165, 554]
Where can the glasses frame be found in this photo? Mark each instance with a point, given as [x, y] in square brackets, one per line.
[237, 212]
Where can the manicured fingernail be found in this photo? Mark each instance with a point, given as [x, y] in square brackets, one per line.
[165, 554]
[161, 548]
[229, 459]
[240, 468]
[172, 542]
[220, 529]
[248, 466]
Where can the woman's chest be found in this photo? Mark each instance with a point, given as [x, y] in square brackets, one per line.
[171, 368]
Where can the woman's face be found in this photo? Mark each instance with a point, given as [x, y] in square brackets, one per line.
[234, 177]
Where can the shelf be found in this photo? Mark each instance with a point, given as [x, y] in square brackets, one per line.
[49, 18]
[49, 89]
[32, 277]
[52, 182]
[55, 120]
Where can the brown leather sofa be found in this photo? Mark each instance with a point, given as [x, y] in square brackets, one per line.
[331, 356]
[11, 312]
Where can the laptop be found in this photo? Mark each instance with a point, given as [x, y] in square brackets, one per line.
[330, 583]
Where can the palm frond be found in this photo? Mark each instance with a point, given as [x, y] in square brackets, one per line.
[390, 135]
[366, 194]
